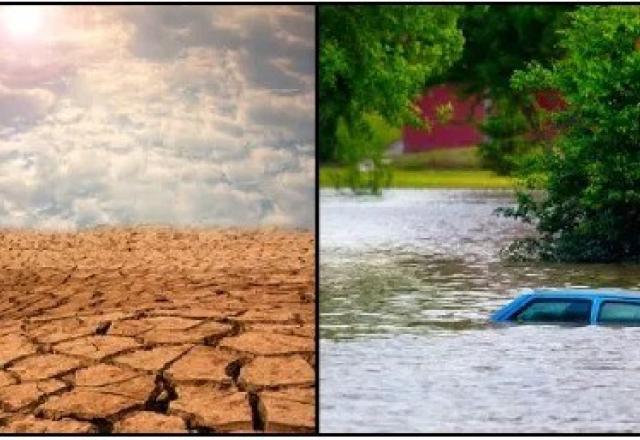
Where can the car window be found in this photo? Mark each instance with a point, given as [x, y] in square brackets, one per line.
[555, 311]
[615, 312]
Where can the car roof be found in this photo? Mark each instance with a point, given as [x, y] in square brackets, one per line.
[611, 293]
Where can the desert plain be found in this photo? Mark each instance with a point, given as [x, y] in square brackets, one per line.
[151, 329]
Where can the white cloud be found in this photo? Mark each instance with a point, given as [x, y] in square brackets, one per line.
[19, 107]
[161, 114]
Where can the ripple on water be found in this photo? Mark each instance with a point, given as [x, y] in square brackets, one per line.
[514, 379]
[407, 283]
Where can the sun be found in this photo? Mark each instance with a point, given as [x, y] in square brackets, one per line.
[21, 21]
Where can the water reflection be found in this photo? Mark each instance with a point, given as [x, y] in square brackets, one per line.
[407, 284]
[429, 294]
[511, 379]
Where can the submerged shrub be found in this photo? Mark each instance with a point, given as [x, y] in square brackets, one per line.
[591, 208]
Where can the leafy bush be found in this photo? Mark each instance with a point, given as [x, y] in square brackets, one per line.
[507, 131]
[590, 210]
[376, 59]
[372, 141]
[500, 39]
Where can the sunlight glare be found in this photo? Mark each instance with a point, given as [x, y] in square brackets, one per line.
[21, 21]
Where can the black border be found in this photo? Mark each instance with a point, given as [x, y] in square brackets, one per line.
[316, 4]
[317, 208]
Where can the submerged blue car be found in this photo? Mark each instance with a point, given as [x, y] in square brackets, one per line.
[573, 306]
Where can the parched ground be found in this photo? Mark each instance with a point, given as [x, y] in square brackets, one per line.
[157, 330]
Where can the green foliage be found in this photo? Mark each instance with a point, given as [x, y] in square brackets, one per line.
[499, 40]
[510, 132]
[591, 207]
[371, 142]
[376, 59]
[338, 177]
[359, 181]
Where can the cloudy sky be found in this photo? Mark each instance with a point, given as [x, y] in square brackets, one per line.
[156, 114]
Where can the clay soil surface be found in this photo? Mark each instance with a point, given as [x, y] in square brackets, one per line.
[157, 330]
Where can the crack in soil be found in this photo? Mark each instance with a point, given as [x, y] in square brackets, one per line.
[103, 328]
[162, 395]
[256, 414]
[233, 369]
[103, 426]
[121, 274]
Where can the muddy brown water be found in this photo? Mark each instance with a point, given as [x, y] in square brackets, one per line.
[408, 281]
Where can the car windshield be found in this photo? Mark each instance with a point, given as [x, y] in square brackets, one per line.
[619, 313]
[571, 311]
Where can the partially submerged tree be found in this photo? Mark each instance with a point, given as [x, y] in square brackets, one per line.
[376, 59]
[590, 210]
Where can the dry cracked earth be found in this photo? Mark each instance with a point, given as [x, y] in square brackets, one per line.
[157, 330]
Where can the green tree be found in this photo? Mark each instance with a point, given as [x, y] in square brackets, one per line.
[590, 210]
[376, 59]
[499, 40]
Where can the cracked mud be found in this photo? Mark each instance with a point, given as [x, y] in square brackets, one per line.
[157, 330]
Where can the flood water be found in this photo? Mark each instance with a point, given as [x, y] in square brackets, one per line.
[407, 282]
